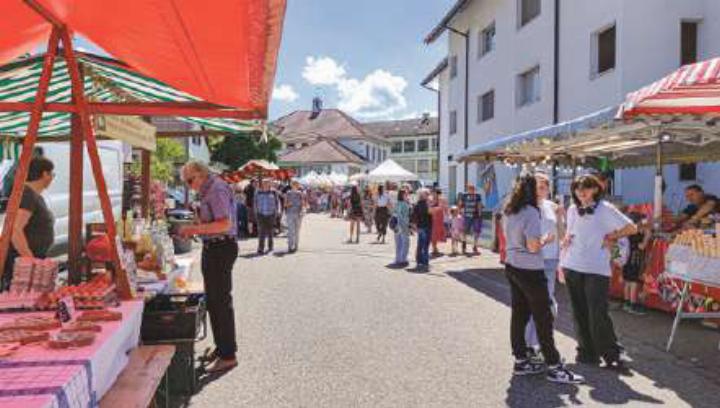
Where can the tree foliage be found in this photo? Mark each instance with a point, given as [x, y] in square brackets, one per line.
[234, 151]
[163, 160]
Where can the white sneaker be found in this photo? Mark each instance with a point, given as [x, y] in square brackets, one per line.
[560, 374]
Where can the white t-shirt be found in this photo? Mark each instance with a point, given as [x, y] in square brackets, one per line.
[586, 253]
[549, 225]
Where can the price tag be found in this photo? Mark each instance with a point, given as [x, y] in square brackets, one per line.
[66, 310]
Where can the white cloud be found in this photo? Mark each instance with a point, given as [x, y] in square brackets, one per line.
[377, 95]
[323, 71]
[285, 93]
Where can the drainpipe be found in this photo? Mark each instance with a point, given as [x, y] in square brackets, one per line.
[466, 36]
[439, 115]
[556, 87]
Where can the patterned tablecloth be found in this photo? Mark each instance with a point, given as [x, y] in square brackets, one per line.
[36, 376]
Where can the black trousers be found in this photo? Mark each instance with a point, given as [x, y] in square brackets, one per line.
[266, 226]
[382, 216]
[217, 264]
[593, 326]
[530, 298]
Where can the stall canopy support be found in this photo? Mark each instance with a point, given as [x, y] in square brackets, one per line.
[27, 148]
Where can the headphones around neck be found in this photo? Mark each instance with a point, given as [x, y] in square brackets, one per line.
[582, 211]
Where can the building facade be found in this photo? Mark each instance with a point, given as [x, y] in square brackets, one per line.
[413, 144]
[533, 63]
[302, 129]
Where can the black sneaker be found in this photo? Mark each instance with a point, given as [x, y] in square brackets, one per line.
[560, 374]
[637, 309]
[527, 367]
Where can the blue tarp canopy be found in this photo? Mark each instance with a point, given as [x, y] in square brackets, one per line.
[509, 146]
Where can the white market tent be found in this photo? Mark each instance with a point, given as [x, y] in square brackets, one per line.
[390, 171]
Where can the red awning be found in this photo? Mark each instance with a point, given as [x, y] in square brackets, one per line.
[691, 90]
[223, 51]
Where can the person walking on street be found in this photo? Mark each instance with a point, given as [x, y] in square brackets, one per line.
[439, 213]
[295, 205]
[355, 214]
[266, 209]
[528, 285]
[368, 209]
[593, 228]
[401, 212]
[471, 207]
[550, 222]
[249, 192]
[382, 213]
[423, 224]
[217, 229]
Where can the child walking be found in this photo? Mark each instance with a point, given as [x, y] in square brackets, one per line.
[456, 229]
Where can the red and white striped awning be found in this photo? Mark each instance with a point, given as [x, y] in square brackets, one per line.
[691, 90]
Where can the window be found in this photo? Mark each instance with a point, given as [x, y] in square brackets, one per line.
[409, 146]
[529, 9]
[688, 42]
[423, 145]
[291, 145]
[435, 145]
[408, 165]
[367, 152]
[604, 60]
[374, 153]
[486, 41]
[453, 66]
[688, 172]
[423, 166]
[434, 165]
[486, 106]
[396, 147]
[453, 122]
[528, 87]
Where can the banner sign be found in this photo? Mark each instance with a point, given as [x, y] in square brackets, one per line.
[129, 129]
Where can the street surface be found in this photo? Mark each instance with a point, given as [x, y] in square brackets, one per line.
[331, 326]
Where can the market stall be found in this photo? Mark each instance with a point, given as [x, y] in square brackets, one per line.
[668, 122]
[66, 345]
[390, 171]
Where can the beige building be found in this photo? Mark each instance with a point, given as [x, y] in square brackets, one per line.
[413, 144]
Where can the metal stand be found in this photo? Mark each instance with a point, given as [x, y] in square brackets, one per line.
[680, 314]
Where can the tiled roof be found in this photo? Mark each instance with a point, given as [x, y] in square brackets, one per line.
[329, 124]
[322, 151]
[408, 127]
[443, 24]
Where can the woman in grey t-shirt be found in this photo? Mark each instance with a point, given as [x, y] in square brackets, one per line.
[528, 284]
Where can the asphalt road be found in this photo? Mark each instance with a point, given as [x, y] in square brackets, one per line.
[331, 326]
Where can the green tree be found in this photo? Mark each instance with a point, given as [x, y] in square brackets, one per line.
[162, 161]
[236, 150]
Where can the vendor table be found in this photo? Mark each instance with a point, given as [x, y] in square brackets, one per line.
[689, 275]
[36, 376]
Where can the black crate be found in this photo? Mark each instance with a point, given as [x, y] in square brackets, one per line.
[173, 317]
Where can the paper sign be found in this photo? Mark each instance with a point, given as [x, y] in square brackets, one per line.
[66, 310]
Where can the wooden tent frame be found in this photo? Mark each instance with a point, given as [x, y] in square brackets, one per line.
[83, 133]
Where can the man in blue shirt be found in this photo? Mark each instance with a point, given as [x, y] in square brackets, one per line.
[266, 210]
[218, 230]
[471, 207]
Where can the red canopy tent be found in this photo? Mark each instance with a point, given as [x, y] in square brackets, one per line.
[691, 90]
[224, 51]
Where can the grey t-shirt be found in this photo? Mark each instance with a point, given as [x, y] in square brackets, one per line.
[518, 229]
[295, 201]
[39, 231]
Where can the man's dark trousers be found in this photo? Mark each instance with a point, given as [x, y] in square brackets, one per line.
[266, 225]
[217, 264]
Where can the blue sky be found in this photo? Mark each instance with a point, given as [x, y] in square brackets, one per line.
[365, 57]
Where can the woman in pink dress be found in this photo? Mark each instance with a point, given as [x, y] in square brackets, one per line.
[438, 212]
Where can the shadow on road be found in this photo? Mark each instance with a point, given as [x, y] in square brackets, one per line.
[694, 352]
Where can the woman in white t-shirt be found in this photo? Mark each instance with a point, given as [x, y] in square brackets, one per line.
[382, 213]
[593, 227]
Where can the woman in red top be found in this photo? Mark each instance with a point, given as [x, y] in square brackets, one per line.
[438, 211]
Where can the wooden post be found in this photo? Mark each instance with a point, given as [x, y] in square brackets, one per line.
[122, 282]
[28, 144]
[145, 182]
[75, 207]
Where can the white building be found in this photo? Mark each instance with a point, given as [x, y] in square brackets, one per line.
[413, 144]
[520, 80]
